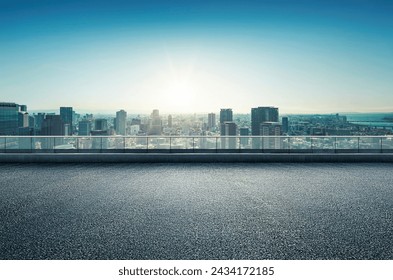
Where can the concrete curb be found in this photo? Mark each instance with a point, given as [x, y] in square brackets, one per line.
[192, 157]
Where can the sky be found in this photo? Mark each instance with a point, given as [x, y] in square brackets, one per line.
[302, 56]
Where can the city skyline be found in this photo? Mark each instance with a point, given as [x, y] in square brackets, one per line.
[301, 56]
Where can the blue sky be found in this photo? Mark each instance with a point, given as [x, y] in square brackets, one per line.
[196, 56]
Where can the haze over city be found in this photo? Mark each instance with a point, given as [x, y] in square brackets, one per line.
[196, 56]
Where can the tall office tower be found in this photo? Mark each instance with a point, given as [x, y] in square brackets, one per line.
[101, 124]
[271, 129]
[66, 117]
[9, 118]
[226, 115]
[39, 118]
[120, 122]
[285, 125]
[228, 129]
[31, 122]
[136, 121]
[23, 119]
[211, 121]
[260, 115]
[169, 120]
[52, 125]
[155, 123]
[84, 128]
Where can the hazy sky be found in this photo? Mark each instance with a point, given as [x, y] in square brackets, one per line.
[195, 56]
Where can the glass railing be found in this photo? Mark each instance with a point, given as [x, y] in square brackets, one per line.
[196, 144]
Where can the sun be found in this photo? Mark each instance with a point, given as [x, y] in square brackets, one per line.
[180, 97]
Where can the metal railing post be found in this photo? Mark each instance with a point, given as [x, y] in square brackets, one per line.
[289, 145]
[358, 144]
[31, 144]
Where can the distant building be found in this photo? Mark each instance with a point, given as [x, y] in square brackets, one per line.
[211, 121]
[170, 121]
[84, 128]
[120, 122]
[226, 115]
[228, 129]
[155, 123]
[66, 115]
[101, 124]
[271, 129]
[38, 120]
[260, 115]
[11, 116]
[285, 125]
[52, 125]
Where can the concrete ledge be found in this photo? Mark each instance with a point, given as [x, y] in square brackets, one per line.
[189, 157]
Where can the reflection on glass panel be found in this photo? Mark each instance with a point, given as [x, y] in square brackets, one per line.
[245, 142]
[65, 143]
[347, 143]
[256, 143]
[369, 143]
[2, 144]
[42, 143]
[159, 143]
[323, 143]
[136, 143]
[387, 143]
[181, 143]
[13, 143]
[300, 143]
[229, 142]
[113, 143]
[284, 143]
[205, 143]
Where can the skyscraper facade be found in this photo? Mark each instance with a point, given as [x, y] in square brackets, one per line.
[211, 121]
[66, 116]
[226, 115]
[52, 125]
[260, 115]
[120, 122]
[10, 118]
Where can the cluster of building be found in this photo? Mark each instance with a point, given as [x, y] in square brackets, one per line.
[263, 121]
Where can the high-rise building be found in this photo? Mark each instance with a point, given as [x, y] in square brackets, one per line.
[260, 115]
[52, 125]
[155, 123]
[101, 124]
[271, 129]
[66, 115]
[11, 116]
[285, 125]
[169, 120]
[211, 121]
[120, 122]
[39, 118]
[226, 115]
[228, 129]
[84, 128]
